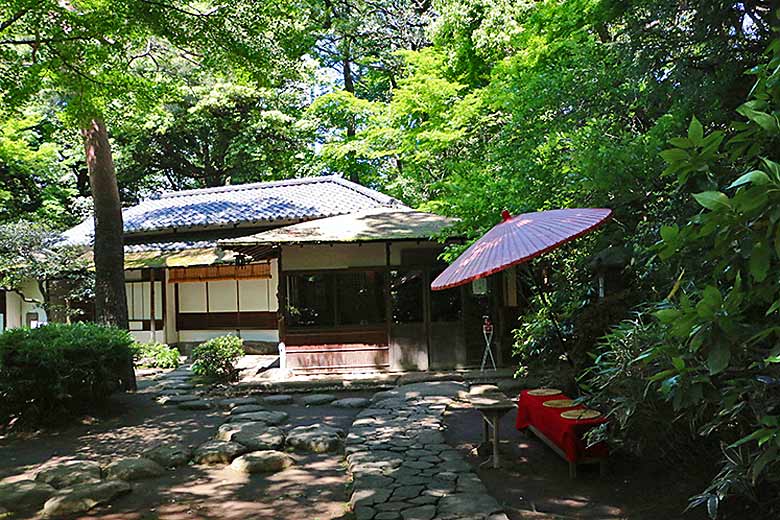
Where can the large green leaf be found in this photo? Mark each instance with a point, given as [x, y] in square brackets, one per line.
[718, 358]
[695, 132]
[760, 261]
[756, 177]
[712, 200]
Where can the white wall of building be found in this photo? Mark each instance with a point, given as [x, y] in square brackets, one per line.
[337, 256]
[18, 310]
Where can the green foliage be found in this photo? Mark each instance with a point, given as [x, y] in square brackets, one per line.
[213, 134]
[31, 251]
[33, 181]
[155, 355]
[59, 370]
[216, 358]
[712, 353]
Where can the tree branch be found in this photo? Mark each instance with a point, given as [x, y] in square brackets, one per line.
[15, 18]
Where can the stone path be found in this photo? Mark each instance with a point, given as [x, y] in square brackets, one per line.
[401, 466]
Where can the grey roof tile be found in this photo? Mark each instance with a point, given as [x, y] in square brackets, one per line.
[260, 203]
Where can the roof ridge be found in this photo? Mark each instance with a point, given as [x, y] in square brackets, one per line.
[248, 186]
[368, 192]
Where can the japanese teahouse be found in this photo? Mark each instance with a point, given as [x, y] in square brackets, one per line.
[338, 273]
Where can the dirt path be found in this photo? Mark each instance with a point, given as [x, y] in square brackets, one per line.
[536, 479]
[314, 487]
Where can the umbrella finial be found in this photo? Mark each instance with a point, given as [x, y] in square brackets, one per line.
[505, 215]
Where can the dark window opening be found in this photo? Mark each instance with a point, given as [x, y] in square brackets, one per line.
[310, 300]
[406, 294]
[340, 298]
[446, 305]
[361, 299]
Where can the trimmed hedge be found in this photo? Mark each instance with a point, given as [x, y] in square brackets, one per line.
[217, 357]
[58, 370]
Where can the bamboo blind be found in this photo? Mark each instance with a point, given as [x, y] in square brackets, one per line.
[219, 272]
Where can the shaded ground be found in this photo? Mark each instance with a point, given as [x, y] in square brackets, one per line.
[315, 486]
[534, 478]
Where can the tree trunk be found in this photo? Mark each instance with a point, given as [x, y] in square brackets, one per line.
[110, 298]
[349, 86]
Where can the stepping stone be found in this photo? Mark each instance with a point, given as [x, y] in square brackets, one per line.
[483, 389]
[433, 389]
[317, 438]
[317, 399]
[133, 468]
[253, 435]
[24, 495]
[162, 393]
[83, 497]
[247, 408]
[177, 399]
[465, 504]
[199, 404]
[233, 402]
[351, 402]
[178, 386]
[67, 474]
[266, 461]
[169, 456]
[266, 416]
[278, 400]
[419, 513]
[218, 452]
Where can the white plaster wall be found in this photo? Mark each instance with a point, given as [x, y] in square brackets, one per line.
[13, 309]
[145, 336]
[396, 249]
[171, 334]
[30, 290]
[337, 256]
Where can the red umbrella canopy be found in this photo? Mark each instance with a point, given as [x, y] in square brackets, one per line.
[517, 240]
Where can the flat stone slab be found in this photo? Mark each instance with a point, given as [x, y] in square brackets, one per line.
[198, 404]
[465, 504]
[169, 455]
[247, 408]
[233, 402]
[25, 495]
[253, 435]
[351, 402]
[434, 389]
[83, 497]
[483, 389]
[278, 400]
[266, 416]
[69, 473]
[401, 466]
[177, 399]
[317, 399]
[317, 438]
[133, 468]
[266, 461]
[218, 452]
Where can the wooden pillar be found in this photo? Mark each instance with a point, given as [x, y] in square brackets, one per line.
[152, 309]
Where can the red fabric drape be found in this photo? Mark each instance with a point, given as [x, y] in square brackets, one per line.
[567, 434]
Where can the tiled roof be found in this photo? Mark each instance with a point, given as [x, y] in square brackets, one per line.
[262, 203]
[361, 226]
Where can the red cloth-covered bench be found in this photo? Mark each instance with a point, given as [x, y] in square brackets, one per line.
[564, 436]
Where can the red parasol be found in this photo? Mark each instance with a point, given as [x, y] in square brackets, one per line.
[517, 240]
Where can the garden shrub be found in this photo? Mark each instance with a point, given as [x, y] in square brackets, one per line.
[156, 355]
[57, 370]
[216, 358]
